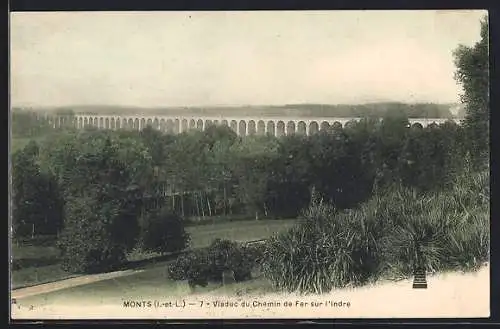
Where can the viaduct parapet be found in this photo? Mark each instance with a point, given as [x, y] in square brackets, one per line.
[243, 126]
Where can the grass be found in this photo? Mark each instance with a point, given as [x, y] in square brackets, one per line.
[39, 262]
[27, 252]
[36, 275]
[34, 263]
[237, 231]
[240, 231]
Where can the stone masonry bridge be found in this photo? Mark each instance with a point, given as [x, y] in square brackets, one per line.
[277, 126]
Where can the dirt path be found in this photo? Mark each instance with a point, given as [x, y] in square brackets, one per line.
[68, 283]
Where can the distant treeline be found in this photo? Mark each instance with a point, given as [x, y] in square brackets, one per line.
[419, 110]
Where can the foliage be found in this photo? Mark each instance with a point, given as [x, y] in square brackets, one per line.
[472, 72]
[163, 231]
[208, 264]
[87, 243]
[252, 165]
[328, 249]
[193, 267]
[211, 174]
[37, 203]
[390, 235]
[343, 166]
[439, 231]
[224, 255]
[107, 178]
[214, 173]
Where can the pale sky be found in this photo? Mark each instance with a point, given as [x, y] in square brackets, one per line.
[166, 59]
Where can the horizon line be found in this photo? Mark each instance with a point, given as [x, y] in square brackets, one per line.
[235, 105]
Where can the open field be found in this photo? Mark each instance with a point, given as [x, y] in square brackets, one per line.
[451, 294]
[39, 263]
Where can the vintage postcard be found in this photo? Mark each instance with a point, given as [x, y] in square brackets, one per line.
[249, 165]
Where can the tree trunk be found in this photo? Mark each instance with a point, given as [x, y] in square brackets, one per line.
[173, 199]
[201, 204]
[195, 195]
[225, 200]
[209, 208]
[182, 204]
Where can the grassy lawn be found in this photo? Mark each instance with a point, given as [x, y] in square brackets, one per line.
[38, 263]
[240, 231]
[35, 262]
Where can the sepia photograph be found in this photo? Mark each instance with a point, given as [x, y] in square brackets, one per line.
[175, 165]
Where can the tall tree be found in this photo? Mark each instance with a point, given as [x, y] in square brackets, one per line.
[254, 157]
[473, 74]
[186, 170]
[26, 205]
[108, 178]
[37, 206]
[291, 176]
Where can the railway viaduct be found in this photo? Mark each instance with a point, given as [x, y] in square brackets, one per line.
[243, 126]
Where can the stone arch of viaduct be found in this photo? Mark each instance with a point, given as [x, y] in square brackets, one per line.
[243, 126]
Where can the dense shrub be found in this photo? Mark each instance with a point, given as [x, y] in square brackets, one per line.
[468, 245]
[208, 264]
[254, 254]
[224, 255]
[250, 257]
[327, 249]
[437, 231]
[193, 267]
[163, 231]
[390, 235]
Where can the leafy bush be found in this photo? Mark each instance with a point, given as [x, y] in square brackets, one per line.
[224, 255]
[207, 265]
[250, 257]
[254, 254]
[193, 266]
[163, 231]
